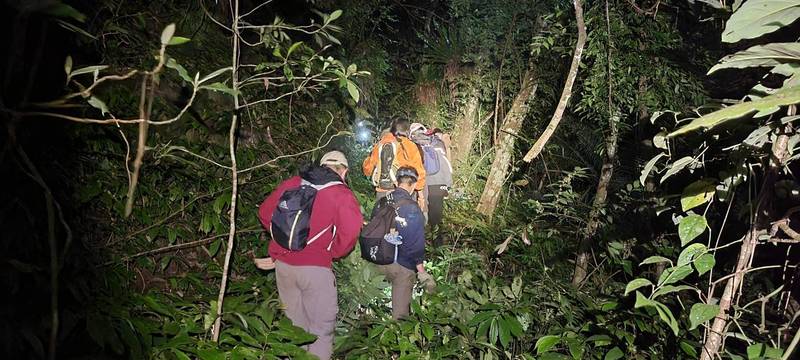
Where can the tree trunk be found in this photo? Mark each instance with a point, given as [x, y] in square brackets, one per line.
[607, 171]
[464, 130]
[505, 144]
[537, 147]
[598, 204]
[763, 212]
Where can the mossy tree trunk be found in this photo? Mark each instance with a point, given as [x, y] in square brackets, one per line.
[465, 129]
[504, 148]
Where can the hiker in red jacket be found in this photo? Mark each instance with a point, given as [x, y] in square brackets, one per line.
[306, 283]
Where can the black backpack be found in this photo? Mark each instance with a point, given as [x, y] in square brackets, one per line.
[292, 218]
[372, 242]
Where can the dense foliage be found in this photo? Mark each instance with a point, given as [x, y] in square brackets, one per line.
[140, 138]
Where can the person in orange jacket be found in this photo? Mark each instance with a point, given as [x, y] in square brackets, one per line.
[406, 153]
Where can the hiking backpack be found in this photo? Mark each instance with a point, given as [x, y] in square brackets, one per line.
[430, 160]
[291, 220]
[376, 247]
[384, 175]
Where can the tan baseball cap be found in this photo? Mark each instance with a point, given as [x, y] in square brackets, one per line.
[334, 158]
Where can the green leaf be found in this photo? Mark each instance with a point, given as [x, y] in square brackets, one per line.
[166, 35]
[758, 17]
[156, 306]
[674, 274]
[98, 104]
[545, 343]
[59, 9]
[704, 263]
[214, 74]
[505, 332]
[68, 65]
[180, 354]
[649, 167]
[293, 47]
[786, 96]
[177, 40]
[210, 354]
[690, 253]
[335, 15]
[172, 64]
[218, 86]
[514, 326]
[668, 289]
[688, 349]
[88, 70]
[353, 90]
[701, 313]
[614, 354]
[696, 194]
[635, 284]
[772, 54]
[660, 140]
[214, 248]
[691, 227]
[677, 166]
[655, 259]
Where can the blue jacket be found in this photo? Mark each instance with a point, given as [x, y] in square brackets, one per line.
[411, 226]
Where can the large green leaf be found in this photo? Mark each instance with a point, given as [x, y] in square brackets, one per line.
[696, 194]
[677, 166]
[663, 311]
[690, 253]
[649, 167]
[674, 274]
[759, 17]
[772, 54]
[635, 284]
[701, 313]
[783, 97]
[691, 227]
[704, 263]
[546, 343]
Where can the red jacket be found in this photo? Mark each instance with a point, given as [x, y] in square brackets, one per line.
[333, 205]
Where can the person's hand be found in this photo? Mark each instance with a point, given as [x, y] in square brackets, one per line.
[427, 282]
[265, 263]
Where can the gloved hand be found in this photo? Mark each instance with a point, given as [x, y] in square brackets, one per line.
[427, 282]
[265, 263]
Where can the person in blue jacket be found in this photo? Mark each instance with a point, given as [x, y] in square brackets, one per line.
[410, 224]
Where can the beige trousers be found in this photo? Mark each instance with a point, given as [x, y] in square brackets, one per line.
[402, 281]
[308, 295]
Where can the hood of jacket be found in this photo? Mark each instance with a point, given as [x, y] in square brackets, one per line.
[319, 175]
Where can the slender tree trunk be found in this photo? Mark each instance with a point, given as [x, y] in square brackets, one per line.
[606, 173]
[763, 212]
[598, 204]
[537, 147]
[464, 130]
[234, 176]
[505, 144]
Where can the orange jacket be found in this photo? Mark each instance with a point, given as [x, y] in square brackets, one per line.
[407, 155]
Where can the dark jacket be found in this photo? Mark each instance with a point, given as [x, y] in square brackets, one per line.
[411, 226]
[334, 205]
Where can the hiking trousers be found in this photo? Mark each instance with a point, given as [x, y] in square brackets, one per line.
[436, 195]
[308, 296]
[402, 280]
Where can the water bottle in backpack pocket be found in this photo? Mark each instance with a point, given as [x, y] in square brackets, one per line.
[379, 240]
[291, 220]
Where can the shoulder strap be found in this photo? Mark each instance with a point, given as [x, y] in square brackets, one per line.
[320, 187]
